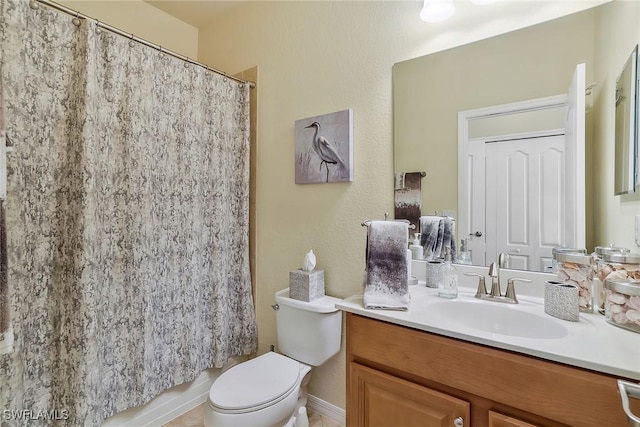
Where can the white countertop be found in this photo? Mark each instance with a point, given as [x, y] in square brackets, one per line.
[590, 343]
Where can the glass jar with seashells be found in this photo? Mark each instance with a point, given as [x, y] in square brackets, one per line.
[602, 268]
[561, 250]
[574, 268]
[622, 304]
[619, 266]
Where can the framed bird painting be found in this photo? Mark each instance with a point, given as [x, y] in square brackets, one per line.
[324, 148]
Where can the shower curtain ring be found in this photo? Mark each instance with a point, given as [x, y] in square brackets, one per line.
[76, 20]
[161, 54]
[131, 41]
[98, 28]
[33, 4]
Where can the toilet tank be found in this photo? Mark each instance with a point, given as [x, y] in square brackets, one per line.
[309, 332]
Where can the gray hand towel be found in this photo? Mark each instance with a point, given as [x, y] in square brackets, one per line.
[431, 235]
[438, 233]
[386, 284]
[449, 237]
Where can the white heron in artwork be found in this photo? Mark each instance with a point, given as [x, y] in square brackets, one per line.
[324, 149]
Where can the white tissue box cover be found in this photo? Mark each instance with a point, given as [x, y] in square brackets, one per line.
[306, 285]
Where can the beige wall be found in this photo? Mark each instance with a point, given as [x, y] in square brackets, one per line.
[617, 32]
[316, 58]
[142, 20]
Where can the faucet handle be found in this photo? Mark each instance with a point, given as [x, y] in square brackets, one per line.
[482, 287]
[511, 290]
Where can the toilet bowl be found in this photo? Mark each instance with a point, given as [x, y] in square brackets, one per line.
[265, 391]
[269, 390]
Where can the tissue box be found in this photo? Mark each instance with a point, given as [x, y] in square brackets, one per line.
[561, 301]
[306, 285]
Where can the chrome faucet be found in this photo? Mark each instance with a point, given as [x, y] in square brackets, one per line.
[495, 294]
[494, 273]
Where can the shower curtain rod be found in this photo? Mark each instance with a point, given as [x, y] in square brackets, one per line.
[34, 4]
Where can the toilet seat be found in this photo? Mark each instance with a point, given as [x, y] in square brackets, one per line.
[255, 384]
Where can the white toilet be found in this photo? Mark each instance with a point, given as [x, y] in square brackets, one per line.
[269, 390]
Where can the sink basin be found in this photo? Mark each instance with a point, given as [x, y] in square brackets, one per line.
[497, 318]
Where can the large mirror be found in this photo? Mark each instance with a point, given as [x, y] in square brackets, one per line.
[524, 66]
[626, 126]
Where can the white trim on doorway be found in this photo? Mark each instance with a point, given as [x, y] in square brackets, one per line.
[464, 118]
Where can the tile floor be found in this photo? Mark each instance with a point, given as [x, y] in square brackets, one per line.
[193, 418]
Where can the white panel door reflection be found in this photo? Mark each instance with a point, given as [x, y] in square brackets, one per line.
[525, 199]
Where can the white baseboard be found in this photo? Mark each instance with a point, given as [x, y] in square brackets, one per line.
[168, 405]
[326, 409]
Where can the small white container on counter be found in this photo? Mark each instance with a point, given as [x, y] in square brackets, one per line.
[417, 251]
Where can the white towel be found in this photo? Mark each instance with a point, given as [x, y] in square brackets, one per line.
[386, 277]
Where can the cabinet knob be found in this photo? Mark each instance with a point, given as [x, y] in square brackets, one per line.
[458, 422]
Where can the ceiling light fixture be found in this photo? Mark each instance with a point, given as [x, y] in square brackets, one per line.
[437, 10]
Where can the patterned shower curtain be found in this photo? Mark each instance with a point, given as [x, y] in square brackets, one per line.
[127, 220]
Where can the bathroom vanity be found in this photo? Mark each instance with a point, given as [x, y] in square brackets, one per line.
[419, 369]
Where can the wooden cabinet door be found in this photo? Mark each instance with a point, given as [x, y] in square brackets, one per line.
[377, 399]
[499, 420]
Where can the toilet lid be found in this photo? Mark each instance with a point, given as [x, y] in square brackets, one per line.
[255, 382]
